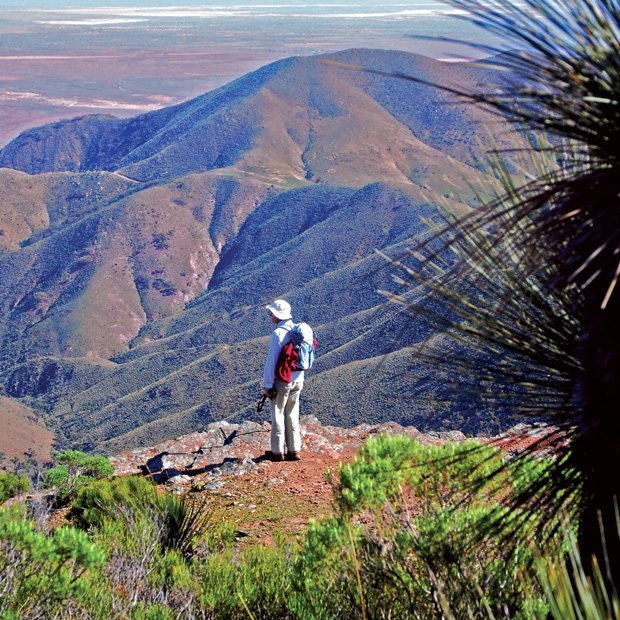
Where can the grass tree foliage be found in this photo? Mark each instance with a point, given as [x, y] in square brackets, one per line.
[537, 268]
[516, 338]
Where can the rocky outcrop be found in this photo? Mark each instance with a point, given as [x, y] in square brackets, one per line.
[204, 460]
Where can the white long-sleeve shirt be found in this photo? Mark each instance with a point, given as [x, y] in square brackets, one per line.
[277, 341]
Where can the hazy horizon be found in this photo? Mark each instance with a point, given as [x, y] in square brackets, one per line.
[77, 4]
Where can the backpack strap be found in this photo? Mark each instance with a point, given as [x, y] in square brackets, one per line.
[288, 331]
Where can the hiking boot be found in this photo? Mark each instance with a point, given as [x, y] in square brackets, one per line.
[292, 456]
[272, 456]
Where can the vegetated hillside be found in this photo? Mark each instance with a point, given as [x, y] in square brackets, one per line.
[138, 253]
[23, 436]
[324, 120]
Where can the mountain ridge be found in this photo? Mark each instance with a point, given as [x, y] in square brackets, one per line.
[155, 266]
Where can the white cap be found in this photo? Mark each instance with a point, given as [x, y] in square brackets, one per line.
[280, 308]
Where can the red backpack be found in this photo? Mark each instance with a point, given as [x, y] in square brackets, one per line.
[297, 353]
[287, 362]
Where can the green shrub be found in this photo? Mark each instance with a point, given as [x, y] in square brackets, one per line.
[400, 545]
[134, 500]
[98, 501]
[12, 485]
[44, 575]
[219, 538]
[76, 469]
[256, 580]
[438, 473]
[327, 569]
[140, 572]
[404, 543]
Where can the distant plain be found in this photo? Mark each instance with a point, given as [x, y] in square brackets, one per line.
[60, 61]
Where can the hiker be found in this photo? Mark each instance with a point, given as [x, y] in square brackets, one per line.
[284, 396]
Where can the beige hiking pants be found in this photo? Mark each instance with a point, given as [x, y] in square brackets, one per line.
[285, 417]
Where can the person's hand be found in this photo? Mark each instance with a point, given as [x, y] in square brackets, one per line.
[269, 393]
